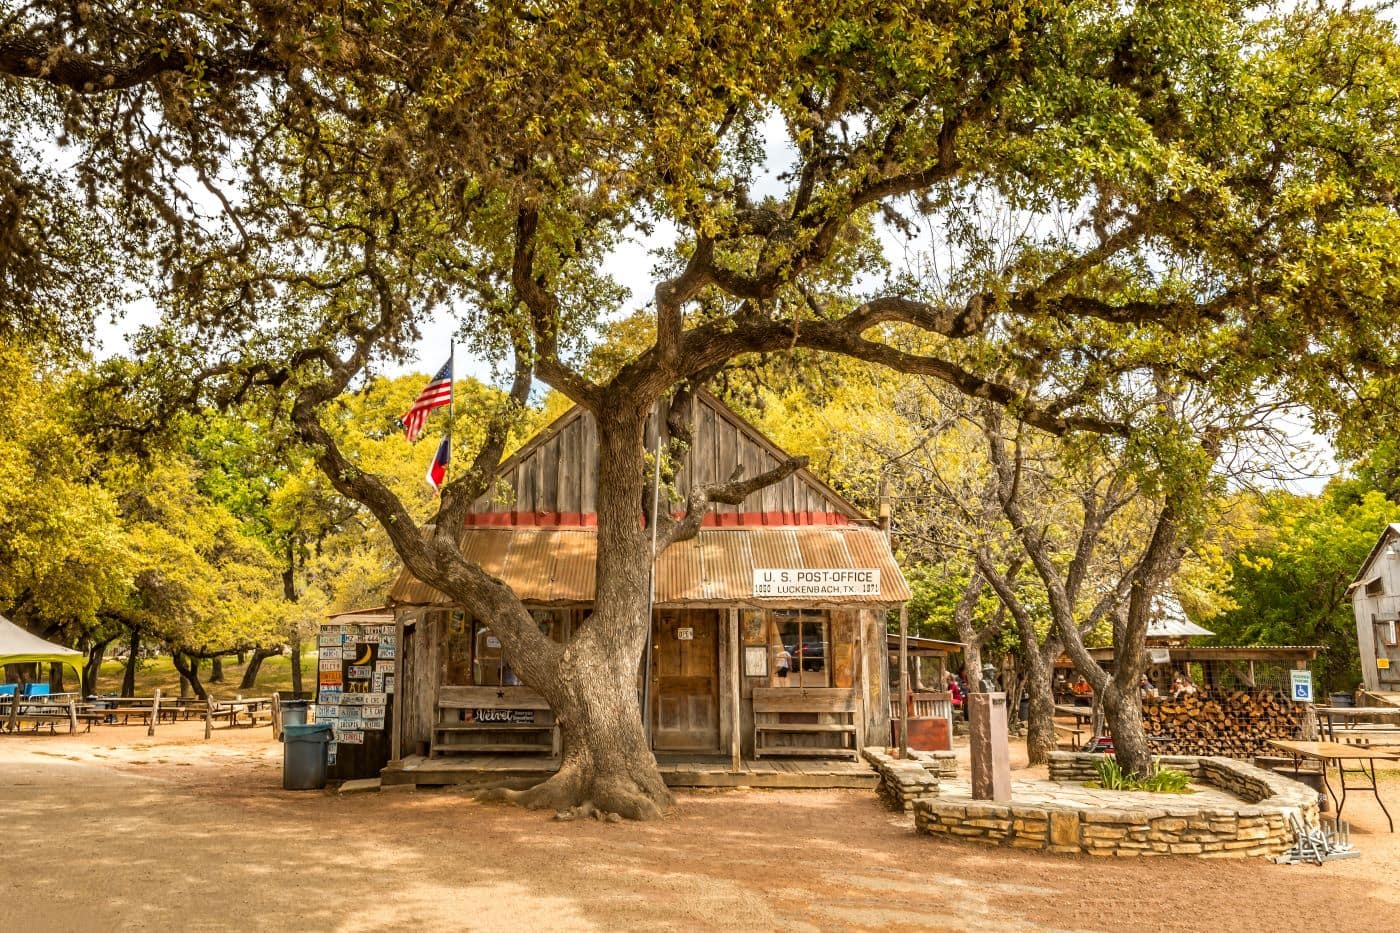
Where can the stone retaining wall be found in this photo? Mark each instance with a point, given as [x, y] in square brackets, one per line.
[1257, 827]
[942, 764]
[1244, 780]
[903, 782]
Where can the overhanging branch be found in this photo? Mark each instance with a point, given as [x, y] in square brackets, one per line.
[732, 491]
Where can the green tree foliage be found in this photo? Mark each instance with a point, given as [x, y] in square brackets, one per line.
[63, 553]
[200, 584]
[1290, 585]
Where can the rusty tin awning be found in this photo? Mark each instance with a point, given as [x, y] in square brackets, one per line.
[554, 566]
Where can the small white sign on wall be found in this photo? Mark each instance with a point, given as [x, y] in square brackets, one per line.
[685, 634]
[1301, 684]
[755, 661]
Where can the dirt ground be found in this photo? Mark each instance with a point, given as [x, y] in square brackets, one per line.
[116, 831]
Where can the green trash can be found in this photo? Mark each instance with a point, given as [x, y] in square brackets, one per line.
[304, 756]
[293, 712]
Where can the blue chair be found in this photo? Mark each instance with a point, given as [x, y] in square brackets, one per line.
[7, 690]
[36, 690]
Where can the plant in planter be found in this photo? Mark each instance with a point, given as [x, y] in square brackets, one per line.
[1160, 781]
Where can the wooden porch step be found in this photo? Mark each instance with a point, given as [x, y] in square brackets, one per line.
[493, 748]
[808, 752]
[804, 727]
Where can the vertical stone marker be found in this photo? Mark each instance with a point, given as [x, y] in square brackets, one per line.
[991, 760]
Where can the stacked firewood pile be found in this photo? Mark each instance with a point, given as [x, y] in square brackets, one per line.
[1231, 723]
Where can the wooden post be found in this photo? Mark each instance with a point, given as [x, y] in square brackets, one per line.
[72, 716]
[736, 719]
[903, 681]
[208, 716]
[396, 725]
[155, 713]
[14, 706]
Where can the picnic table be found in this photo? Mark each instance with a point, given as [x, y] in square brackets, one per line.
[255, 709]
[1360, 725]
[1330, 753]
[1083, 715]
[107, 709]
[41, 710]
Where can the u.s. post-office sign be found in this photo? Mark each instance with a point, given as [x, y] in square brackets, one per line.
[773, 582]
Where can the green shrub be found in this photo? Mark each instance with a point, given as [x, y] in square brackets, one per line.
[1160, 781]
[1167, 781]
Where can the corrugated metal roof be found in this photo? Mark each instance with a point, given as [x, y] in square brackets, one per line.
[555, 565]
[1169, 619]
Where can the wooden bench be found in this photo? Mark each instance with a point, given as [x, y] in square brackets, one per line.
[802, 721]
[139, 707]
[493, 720]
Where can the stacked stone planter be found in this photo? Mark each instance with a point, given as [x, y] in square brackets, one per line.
[942, 764]
[1161, 825]
[903, 782]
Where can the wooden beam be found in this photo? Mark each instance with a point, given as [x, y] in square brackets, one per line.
[903, 681]
[155, 713]
[735, 717]
[396, 723]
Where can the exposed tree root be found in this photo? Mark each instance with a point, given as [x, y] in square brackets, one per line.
[607, 797]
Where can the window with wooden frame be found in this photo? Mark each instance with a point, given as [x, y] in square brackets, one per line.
[800, 643]
[489, 666]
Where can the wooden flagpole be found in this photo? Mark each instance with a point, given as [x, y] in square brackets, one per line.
[451, 403]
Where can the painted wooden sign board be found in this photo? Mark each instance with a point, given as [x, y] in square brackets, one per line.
[504, 715]
[797, 582]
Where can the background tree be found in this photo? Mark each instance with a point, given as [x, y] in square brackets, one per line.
[1289, 585]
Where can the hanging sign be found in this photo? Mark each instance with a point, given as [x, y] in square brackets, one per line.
[793, 581]
[1300, 683]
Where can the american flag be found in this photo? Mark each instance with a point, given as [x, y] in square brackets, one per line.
[437, 393]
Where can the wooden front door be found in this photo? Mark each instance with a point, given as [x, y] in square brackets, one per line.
[685, 688]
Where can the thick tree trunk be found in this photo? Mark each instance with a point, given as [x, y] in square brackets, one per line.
[296, 663]
[188, 666]
[1040, 721]
[56, 678]
[92, 667]
[607, 764]
[250, 673]
[1122, 709]
[242, 657]
[216, 670]
[132, 659]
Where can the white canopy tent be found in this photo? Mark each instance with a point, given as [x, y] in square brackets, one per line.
[18, 646]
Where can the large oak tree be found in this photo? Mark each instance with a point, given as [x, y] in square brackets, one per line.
[318, 181]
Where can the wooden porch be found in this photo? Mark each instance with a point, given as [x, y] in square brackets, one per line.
[677, 770]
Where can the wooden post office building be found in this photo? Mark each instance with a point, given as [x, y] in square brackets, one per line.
[768, 639]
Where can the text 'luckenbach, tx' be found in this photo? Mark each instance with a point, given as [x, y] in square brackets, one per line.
[793, 581]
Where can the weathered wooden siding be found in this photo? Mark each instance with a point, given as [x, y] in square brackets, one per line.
[552, 480]
[418, 687]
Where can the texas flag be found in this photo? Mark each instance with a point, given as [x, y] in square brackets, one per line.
[438, 468]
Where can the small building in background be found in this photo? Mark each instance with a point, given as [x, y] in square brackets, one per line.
[1375, 600]
[356, 658]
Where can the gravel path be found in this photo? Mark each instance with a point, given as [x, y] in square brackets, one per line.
[115, 831]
